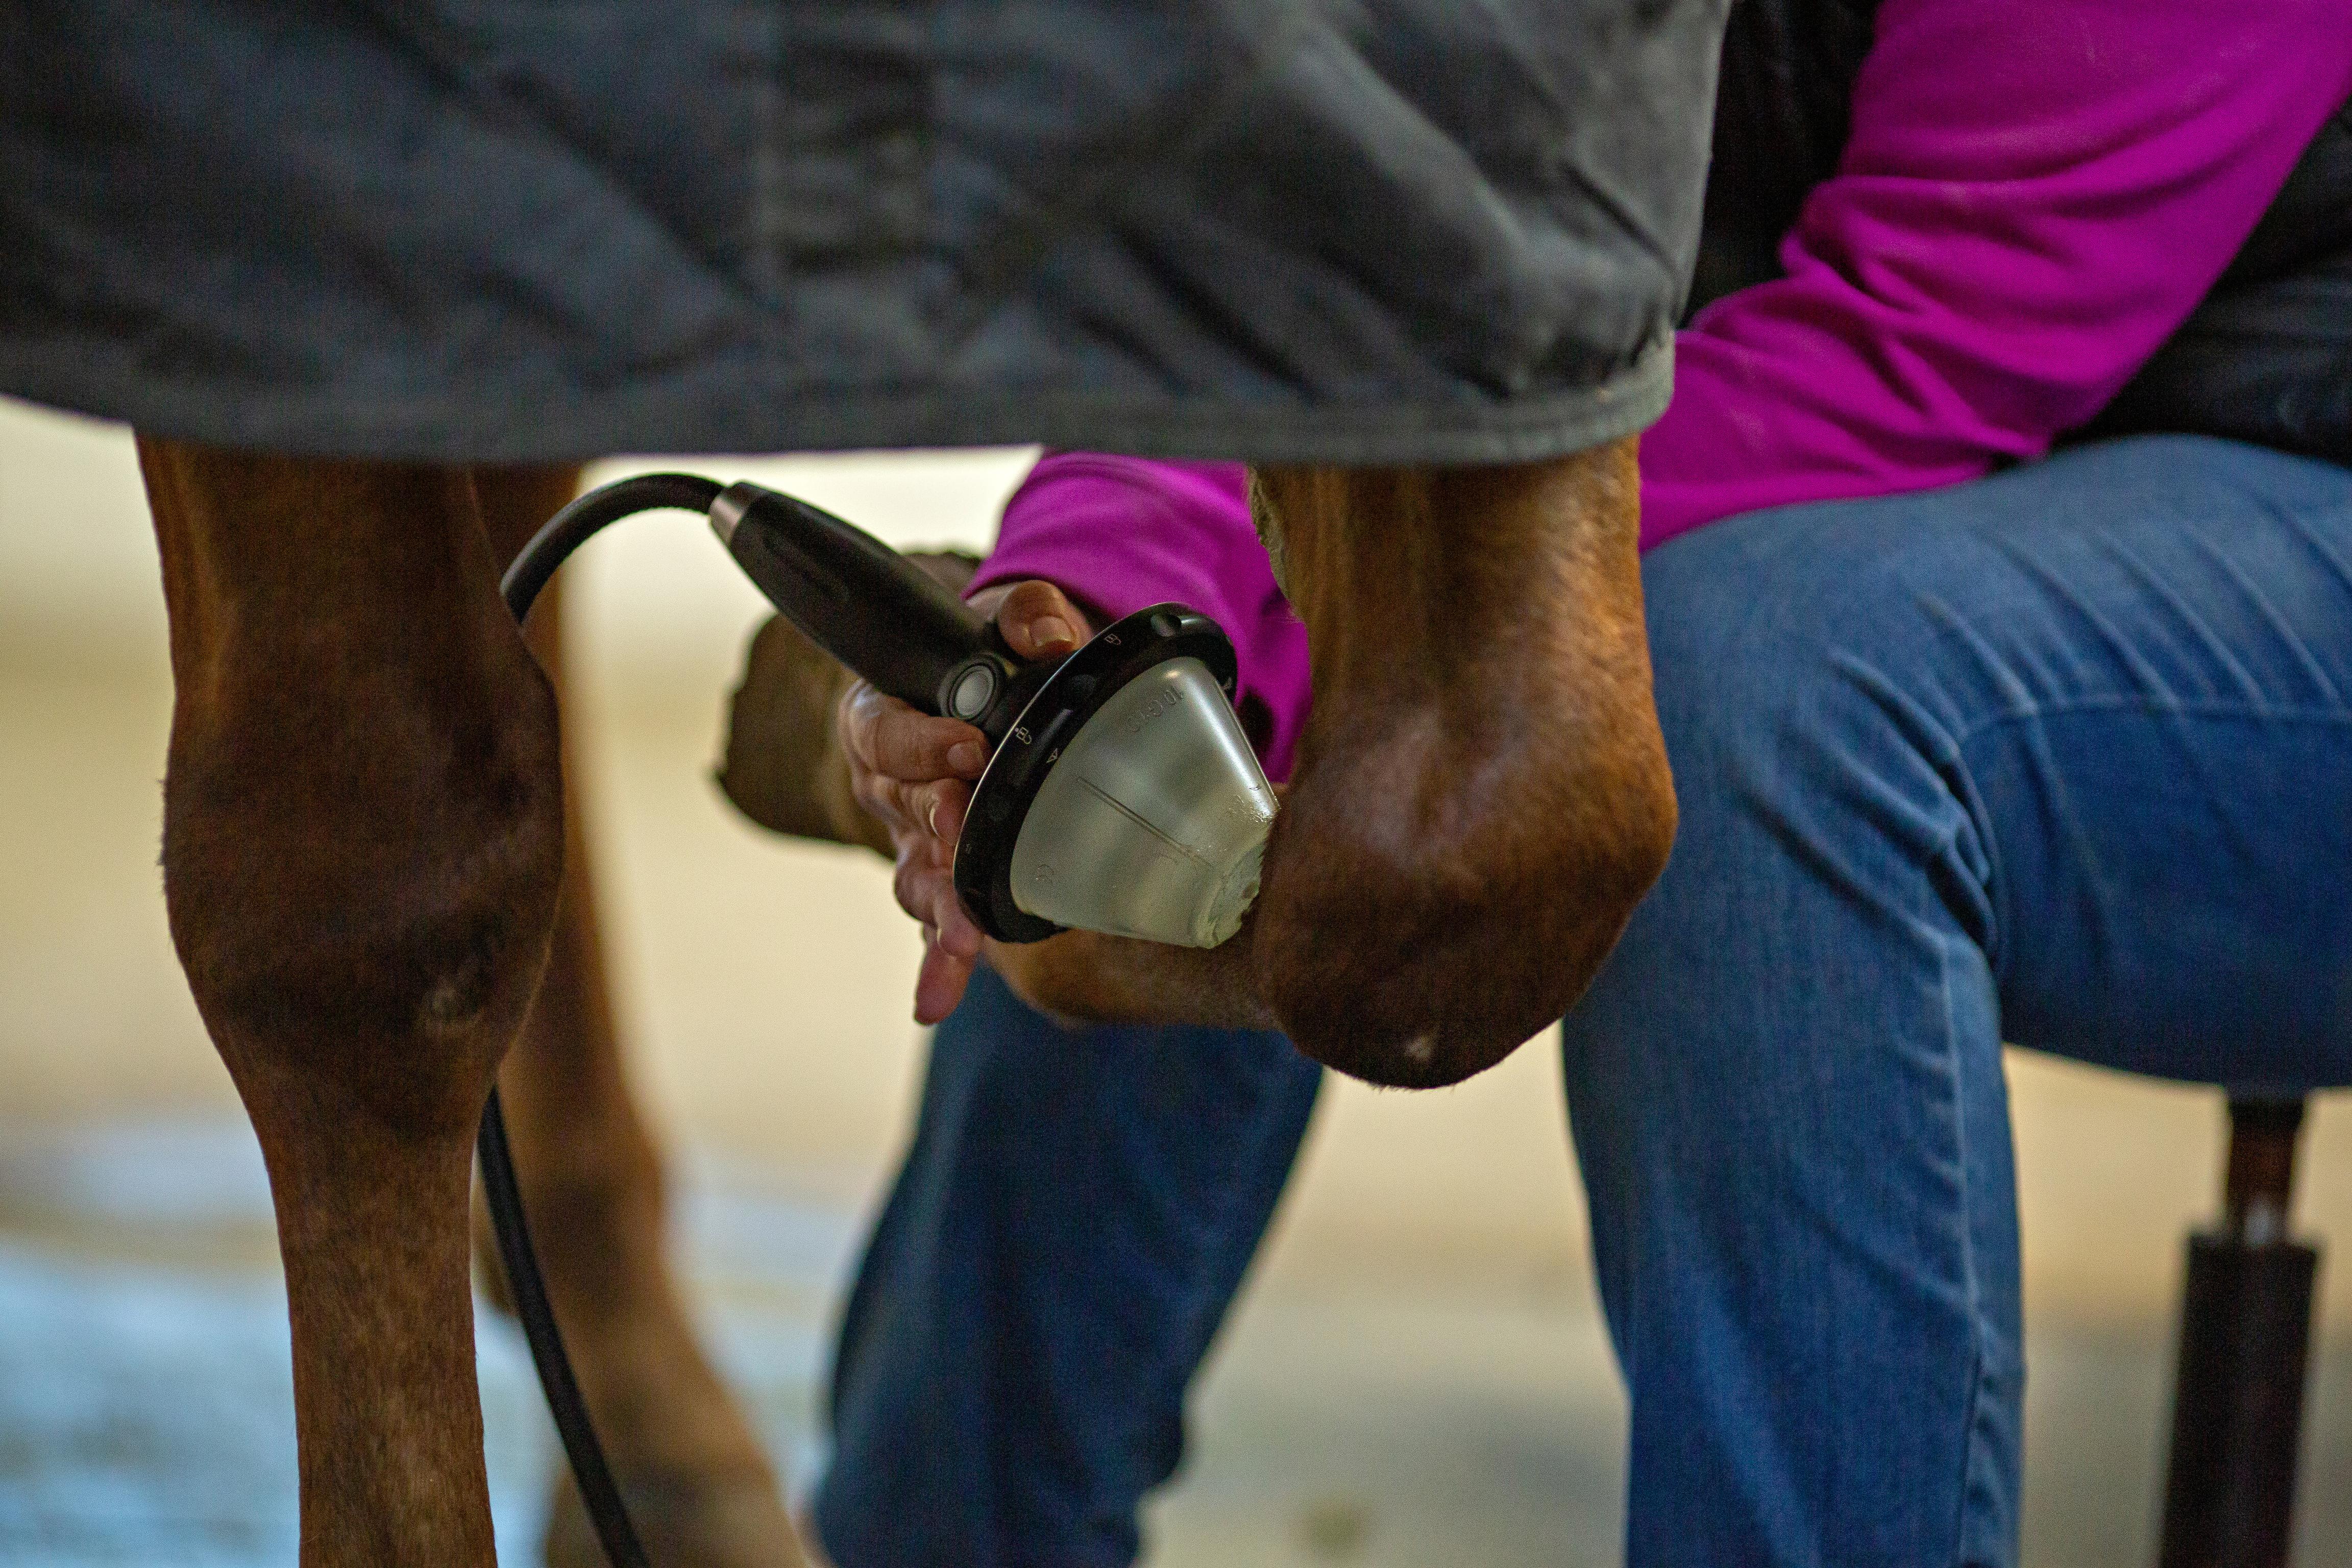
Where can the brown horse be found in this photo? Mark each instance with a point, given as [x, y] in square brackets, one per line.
[372, 870]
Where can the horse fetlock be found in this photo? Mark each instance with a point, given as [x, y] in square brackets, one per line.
[701, 1517]
[1415, 932]
[696, 1477]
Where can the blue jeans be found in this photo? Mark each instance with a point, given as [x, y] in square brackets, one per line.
[2063, 757]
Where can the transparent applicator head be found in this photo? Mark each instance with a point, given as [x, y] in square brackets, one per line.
[1153, 821]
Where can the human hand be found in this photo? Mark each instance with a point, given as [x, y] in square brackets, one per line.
[914, 773]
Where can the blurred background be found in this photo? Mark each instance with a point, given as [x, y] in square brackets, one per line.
[1416, 1375]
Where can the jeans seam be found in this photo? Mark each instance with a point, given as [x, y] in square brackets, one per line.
[1970, 1431]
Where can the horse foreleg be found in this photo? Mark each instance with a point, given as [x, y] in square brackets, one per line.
[700, 1486]
[362, 844]
[1482, 795]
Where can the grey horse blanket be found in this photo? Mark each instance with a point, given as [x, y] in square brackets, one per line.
[1334, 230]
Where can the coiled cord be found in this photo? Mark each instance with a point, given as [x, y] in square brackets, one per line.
[548, 548]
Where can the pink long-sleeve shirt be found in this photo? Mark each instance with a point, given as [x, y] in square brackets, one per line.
[2033, 196]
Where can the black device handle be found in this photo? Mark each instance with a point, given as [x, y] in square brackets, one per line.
[852, 594]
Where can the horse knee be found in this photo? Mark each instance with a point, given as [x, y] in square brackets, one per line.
[363, 907]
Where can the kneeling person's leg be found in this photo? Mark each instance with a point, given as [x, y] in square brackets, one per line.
[1067, 1230]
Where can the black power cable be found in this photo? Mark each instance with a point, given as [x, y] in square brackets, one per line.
[565, 532]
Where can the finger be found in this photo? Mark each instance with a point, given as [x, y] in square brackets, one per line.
[1038, 621]
[931, 816]
[894, 738]
[943, 806]
[926, 891]
[884, 735]
[939, 984]
[892, 802]
[919, 881]
[958, 934]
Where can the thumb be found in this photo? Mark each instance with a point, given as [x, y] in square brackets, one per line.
[1039, 622]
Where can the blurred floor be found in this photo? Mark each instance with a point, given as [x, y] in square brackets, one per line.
[1418, 1374]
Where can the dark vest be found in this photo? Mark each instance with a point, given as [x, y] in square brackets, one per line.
[2266, 357]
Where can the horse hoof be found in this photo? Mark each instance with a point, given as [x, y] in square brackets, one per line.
[701, 1518]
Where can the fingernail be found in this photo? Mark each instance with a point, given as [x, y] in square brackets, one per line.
[931, 819]
[1047, 631]
[965, 756]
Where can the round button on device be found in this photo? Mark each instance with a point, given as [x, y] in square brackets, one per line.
[974, 690]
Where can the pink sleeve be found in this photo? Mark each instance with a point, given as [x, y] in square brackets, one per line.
[2034, 194]
[1120, 533]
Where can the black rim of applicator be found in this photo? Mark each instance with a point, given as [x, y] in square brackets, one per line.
[1076, 691]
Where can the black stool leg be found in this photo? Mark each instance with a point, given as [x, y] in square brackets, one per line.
[2245, 1342]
